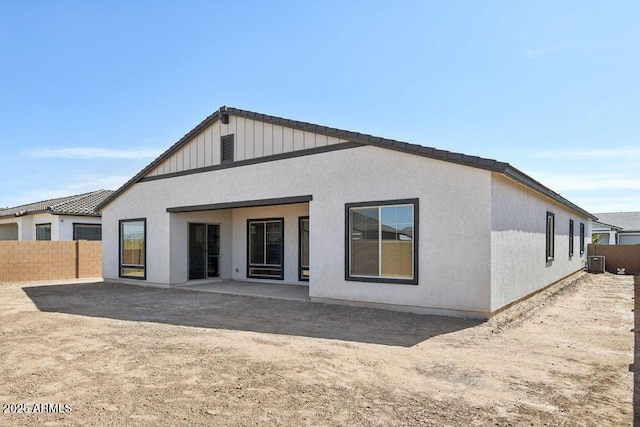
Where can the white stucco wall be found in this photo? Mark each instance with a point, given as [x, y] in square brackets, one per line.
[61, 225]
[43, 218]
[65, 224]
[454, 222]
[179, 242]
[518, 236]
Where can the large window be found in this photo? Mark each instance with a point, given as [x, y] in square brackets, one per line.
[381, 241]
[133, 248]
[550, 240]
[570, 238]
[43, 231]
[265, 247]
[581, 238]
[87, 231]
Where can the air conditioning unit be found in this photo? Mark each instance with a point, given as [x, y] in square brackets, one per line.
[595, 264]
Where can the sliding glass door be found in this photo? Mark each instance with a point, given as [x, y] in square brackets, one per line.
[204, 251]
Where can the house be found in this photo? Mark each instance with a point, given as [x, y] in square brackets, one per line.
[359, 219]
[626, 230]
[65, 218]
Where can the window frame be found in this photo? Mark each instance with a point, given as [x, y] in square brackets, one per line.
[120, 254]
[85, 224]
[44, 224]
[582, 238]
[347, 248]
[571, 232]
[301, 267]
[550, 241]
[250, 265]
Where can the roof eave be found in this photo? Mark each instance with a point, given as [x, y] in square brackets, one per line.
[415, 149]
[526, 180]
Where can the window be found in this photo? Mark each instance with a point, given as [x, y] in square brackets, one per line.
[570, 238]
[87, 231]
[303, 248]
[265, 248]
[381, 241]
[43, 231]
[550, 241]
[133, 248]
[581, 238]
[226, 149]
[601, 238]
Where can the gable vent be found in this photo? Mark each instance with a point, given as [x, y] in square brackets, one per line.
[226, 147]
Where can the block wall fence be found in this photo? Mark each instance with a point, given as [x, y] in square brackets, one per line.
[22, 261]
[618, 256]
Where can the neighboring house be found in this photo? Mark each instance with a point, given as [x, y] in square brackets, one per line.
[625, 231]
[359, 219]
[65, 218]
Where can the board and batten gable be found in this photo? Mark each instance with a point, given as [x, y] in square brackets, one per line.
[252, 139]
[518, 241]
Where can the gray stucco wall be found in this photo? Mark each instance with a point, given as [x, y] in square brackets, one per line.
[455, 223]
[518, 236]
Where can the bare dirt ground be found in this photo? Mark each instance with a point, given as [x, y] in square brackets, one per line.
[124, 355]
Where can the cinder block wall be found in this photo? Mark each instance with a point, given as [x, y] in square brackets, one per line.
[22, 261]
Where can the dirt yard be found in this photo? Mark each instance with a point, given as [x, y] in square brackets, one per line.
[120, 355]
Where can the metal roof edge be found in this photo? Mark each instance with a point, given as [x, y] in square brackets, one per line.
[409, 148]
[526, 180]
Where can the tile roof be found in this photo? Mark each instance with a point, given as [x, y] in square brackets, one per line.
[356, 137]
[625, 220]
[80, 204]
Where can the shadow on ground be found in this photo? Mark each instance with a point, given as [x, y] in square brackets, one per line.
[242, 313]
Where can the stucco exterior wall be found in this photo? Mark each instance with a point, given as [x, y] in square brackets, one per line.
[454, 222]
[61, 225]
[65, 224]
[518, 236]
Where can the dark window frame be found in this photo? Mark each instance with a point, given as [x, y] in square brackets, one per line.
[85, 224]
[249, 265]
[205, 265]
[550, 241]
[416, 241]
[120, 264]
[300, 266]
[43, 225]
[571, 231]
[582, 238]
[227, 149]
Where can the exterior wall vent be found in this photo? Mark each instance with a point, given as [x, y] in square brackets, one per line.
[595, 264]
[226, 149]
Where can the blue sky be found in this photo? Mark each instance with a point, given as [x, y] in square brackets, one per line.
[91, 92]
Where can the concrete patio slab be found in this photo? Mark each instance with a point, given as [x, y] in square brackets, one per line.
[265, 290]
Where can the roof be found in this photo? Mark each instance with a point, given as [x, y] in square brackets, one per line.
[80, 204]
[625, 220]
[598, 224]
[358, 138]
